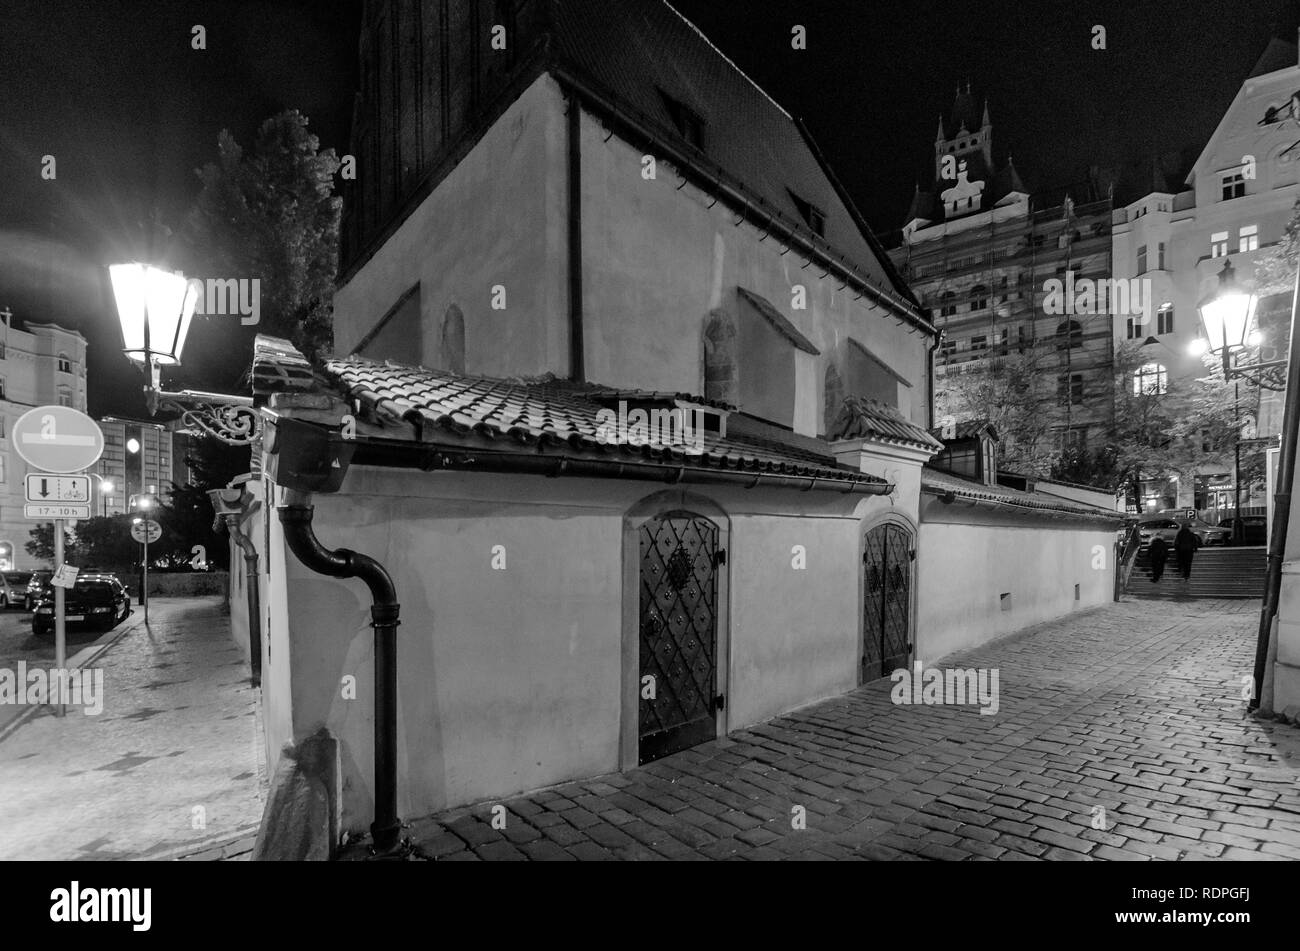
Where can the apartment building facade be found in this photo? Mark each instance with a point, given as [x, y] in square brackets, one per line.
[1177, 234]
[997, 268]
[40, 365]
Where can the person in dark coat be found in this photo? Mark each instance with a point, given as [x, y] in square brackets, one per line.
[1185, 544]
[1158, 554]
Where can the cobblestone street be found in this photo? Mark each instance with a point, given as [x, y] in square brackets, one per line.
[1129, 716]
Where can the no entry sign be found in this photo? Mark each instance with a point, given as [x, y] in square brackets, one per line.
[58, 439]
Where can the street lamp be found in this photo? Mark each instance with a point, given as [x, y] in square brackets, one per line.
[1227, 313]
[155, 307]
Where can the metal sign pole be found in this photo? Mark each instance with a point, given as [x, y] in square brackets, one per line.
[146, 572]
[60, 631]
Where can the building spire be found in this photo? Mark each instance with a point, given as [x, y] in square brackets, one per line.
[940, 137]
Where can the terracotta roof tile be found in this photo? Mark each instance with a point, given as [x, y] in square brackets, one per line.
[862, 418]
[939, 482]
[453, 409]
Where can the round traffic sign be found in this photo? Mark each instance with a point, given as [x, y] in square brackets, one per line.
[139, 529]
[58, 439]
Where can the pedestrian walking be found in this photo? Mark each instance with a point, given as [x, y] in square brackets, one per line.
[1185, 544]
[1158, 554]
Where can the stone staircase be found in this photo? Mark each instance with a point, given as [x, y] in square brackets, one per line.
[1216, 573]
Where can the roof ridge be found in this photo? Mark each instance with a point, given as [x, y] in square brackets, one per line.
[727, 59]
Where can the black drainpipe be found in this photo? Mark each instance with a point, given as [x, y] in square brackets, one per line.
[296, 518]
[929, 374]
[577, 370]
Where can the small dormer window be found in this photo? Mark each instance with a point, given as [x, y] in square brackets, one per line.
[688, 122]
[813, 216]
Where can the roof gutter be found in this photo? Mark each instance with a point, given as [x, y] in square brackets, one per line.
[752, 209]
[427, 457]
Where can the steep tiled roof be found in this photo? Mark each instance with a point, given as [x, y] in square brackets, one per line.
[862, 418]
[939, 483]
[553, 416]
[645, 50]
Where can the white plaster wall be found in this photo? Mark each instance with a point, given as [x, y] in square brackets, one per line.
[795, 632]
[510, 680]
[657, 259]
[964, 568]
[497, 218]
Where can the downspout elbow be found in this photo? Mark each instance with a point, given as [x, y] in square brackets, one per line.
[338, 562]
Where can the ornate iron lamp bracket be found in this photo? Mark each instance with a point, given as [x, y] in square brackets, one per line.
[232, 419]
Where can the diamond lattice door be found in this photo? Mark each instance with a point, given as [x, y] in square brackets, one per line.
[886, 603]
[679, 628]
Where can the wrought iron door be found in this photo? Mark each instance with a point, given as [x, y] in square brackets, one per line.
[679, 628]
[887, 599]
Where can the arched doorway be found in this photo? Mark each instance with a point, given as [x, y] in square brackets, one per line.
[887, 600]
[678, 633]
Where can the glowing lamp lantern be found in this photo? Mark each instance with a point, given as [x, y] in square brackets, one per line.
[1226, 314]
[155, 307]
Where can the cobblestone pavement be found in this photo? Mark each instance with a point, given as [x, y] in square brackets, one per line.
[173, 765]
[1134, 709]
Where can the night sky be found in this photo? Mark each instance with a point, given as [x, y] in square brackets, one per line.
[112, 89]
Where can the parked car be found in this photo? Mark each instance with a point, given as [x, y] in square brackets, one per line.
[1209, 534]
[37, 587]
[1167, 528]
[1150, 528]
[96, 600]
[1254, 529]
[13, 588]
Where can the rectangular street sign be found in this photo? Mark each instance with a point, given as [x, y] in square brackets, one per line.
[44, 512]
[45, 488]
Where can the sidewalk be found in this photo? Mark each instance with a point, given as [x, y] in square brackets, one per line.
[1121, 735]
[173, 765]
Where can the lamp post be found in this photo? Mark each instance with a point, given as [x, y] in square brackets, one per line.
[1226, 314]
[155, 307]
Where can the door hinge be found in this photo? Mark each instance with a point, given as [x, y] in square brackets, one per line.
[719, 557]
[719, 702]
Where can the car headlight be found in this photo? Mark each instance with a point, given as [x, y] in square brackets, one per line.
[100, 610]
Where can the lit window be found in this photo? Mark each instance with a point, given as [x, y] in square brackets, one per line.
[1142, 259]
[1218, 244]
[1133, 332]
[1165, 319]
[1248, 238]
[65, 365]
[1234, 185]
[65, 396]
[1151, 379]
[1160, 256]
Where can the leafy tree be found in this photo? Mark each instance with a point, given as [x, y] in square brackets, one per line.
[41, 544]
[106, 542]
[1006, 392]
[271, 214]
